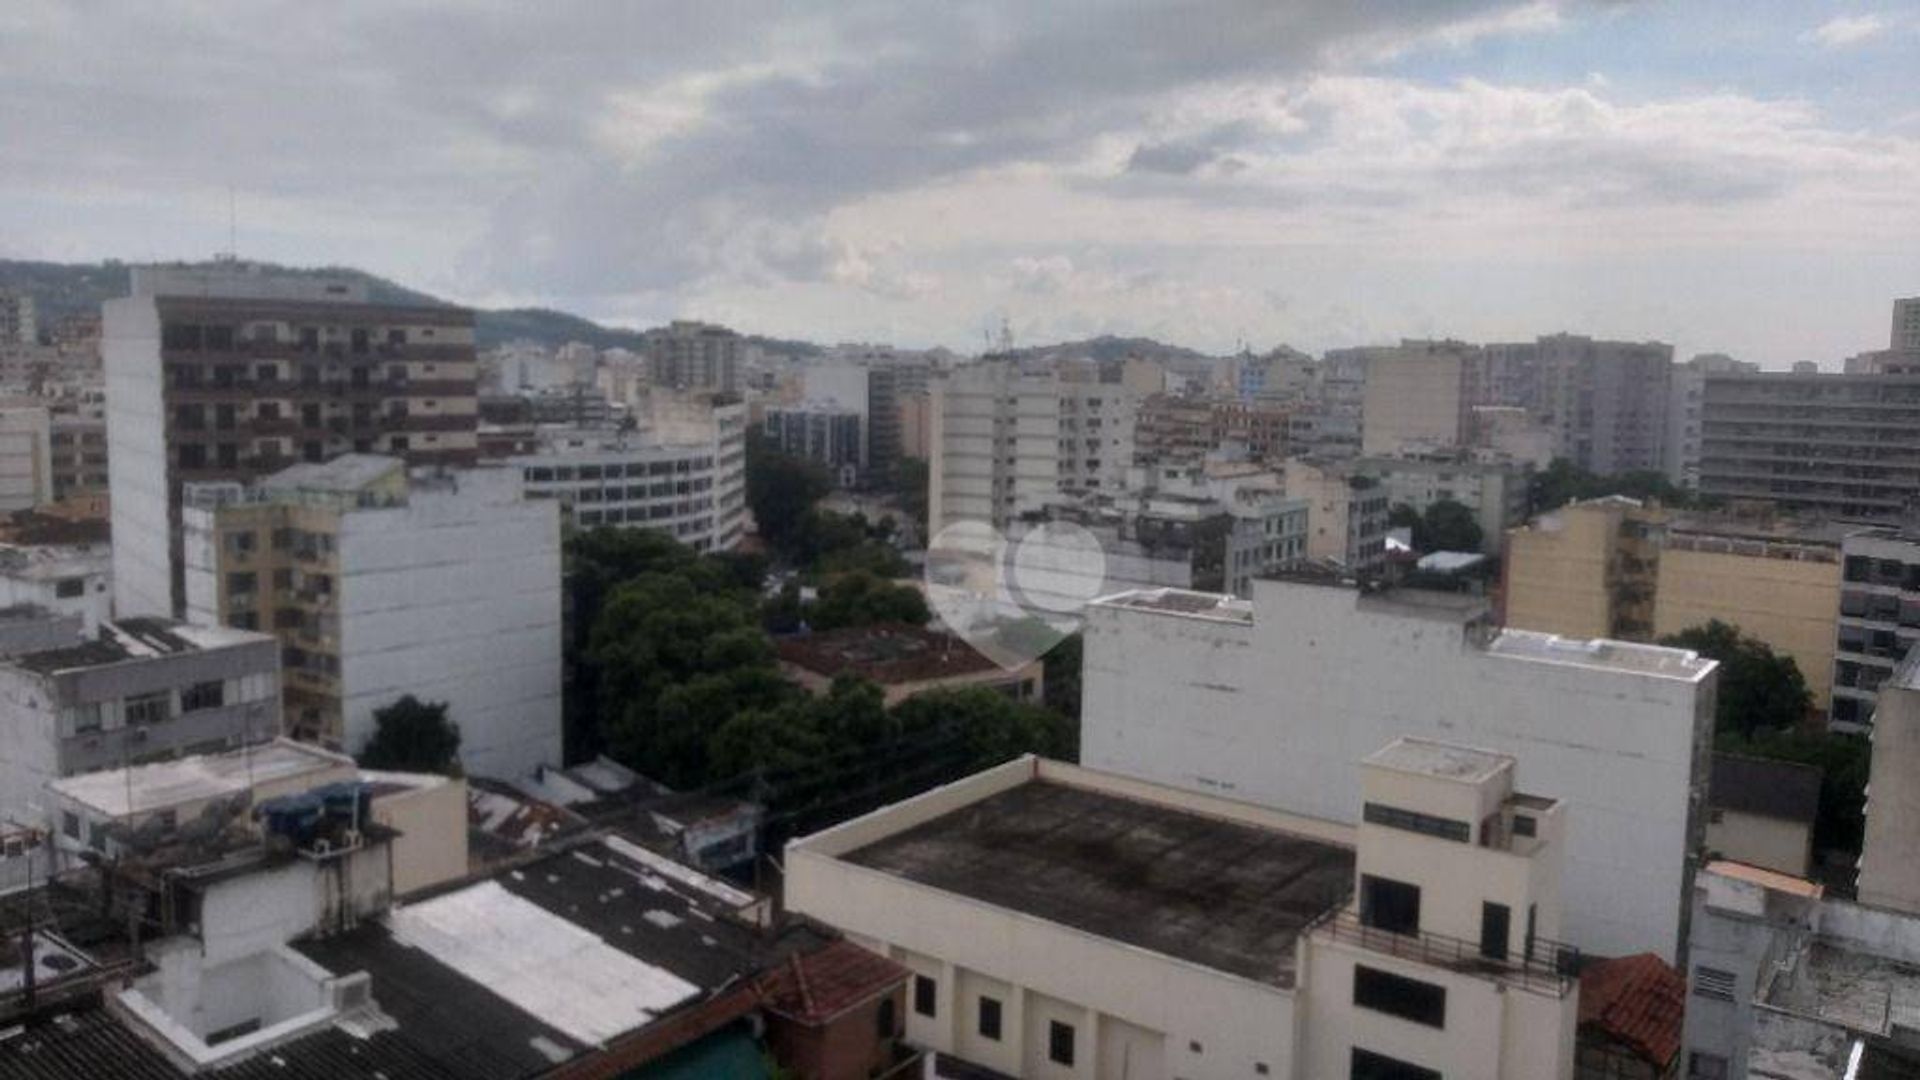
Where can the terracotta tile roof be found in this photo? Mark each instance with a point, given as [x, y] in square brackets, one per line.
[1638, 1001]
[814, 987]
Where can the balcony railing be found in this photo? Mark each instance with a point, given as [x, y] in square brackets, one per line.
[1541, 966]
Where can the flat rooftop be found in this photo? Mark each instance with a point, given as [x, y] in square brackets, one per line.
[889, 654]
[1860, 991]
[139, 638]
[138, 788]
[1603, 654]
[1442, 760]
[1196, 605]
[1217, 893]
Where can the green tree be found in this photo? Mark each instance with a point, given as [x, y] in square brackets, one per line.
[1562, 482]
[674, 661]
[1759, 689]
[910, 487]
[1403, 516]
[1448, 526]
[598, 562]
[411, 735]
[1063, 662]
[862, 599]
[781, 491]
[993, 727]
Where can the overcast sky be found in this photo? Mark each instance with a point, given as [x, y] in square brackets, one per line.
[1740, 176]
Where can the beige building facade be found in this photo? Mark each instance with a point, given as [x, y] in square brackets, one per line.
[1066, 923]
[1613, 567]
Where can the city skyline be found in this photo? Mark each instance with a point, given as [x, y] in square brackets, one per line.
[1315, 175]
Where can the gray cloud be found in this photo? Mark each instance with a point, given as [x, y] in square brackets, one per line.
[491, 124]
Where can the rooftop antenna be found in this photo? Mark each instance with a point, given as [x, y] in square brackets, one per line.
[1006, 334]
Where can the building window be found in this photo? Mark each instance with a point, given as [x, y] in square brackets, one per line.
[924, 990]
[1390, 905]
[1060, 1042]
[149, 709]
[1367, 1065]
[207, 695]
[1523, 825]
[1496, 925]
[68, 588]
[989, 1018]
[1397, 995]
[885, 1020]
[86, 718]
[1706, 1066]
[70, 824]
[1414, 821]
[1713, 983]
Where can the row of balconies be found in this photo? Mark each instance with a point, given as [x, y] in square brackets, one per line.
[252, 389]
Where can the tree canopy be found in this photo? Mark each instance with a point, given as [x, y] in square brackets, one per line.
[1562, 482]
[411, 735]
[1759, 690]
[862, 599]
[781, 491]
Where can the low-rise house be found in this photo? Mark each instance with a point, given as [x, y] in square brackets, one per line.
[904, 660]
[144, 689]
[1761, 812]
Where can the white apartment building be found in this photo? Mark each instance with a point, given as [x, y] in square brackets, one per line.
[139, 690]
[693, 356]
[443, 585]
[1096, 435]
[231, 373]
[1890, 855]
[1685, 409]
[1346, 512]
[1269, 700]
[683, 473]
[995, 442]
[1879, 618]
[1062, 922]
[26, 457]
[66, 579]
[1496, 492]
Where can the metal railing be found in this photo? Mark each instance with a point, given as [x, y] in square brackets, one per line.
[1541, 966]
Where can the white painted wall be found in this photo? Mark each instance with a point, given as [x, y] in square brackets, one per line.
[456, 598]
[29, 747]
[37, 579]
[136, 457]
[984, 949]
[1280, 712]
[1492, 1032]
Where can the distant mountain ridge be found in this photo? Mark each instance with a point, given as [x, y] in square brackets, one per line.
[61, 289]
[1107, 347]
